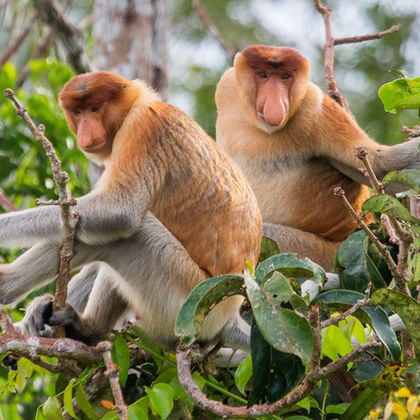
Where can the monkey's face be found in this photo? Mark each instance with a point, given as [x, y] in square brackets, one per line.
[276, 78]
[95, 108]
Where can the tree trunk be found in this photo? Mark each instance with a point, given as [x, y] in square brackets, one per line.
[131, 39]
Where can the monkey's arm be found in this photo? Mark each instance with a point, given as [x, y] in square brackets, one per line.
[340, 135]
[104, 217]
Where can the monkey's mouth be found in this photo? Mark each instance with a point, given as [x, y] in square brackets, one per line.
[268, 128]
[95, 148]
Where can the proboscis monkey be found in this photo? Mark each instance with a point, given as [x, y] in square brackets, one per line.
[295, 145]
[170, 210]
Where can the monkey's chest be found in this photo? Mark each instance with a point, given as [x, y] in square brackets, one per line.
[299, 193]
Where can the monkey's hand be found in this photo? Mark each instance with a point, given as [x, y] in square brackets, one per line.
[35, 321]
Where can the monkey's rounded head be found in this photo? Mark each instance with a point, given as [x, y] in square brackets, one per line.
[272, 82]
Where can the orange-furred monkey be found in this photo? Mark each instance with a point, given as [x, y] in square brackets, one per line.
[170, 210]
[295, 144]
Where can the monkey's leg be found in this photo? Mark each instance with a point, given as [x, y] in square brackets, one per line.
[305, 244]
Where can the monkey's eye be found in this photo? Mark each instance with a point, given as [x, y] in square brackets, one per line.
[76, 112]
[286, 76]
[95, 109]
[262, 74]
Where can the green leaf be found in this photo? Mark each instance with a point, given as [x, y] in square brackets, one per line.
[279, 288]
[200, 381]
[291, 266]
[351, 262]
[261, 360]
[243, 374]
[200, 301]
[337, 408]
[139, 410]
[387, 204]
[377, 315]
[161, 398]
[361, 406]
[112, 415]
[268, 248]
[409, 177]
[51, 409]
[84, 404]
[121, 357]
[283, 329]
[400, 94]
[335, 343]
[406, 307]
[67, 398]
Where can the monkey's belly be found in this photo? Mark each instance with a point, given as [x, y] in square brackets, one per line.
[303, 198]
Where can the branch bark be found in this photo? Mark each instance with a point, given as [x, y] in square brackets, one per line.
[65, 201]
[70, 37]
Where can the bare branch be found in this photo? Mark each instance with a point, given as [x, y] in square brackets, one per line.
[211, 29]
[367, 37]
[69, 36]
[69, 217]
[6, 203]
[112, 374]
[14, 46]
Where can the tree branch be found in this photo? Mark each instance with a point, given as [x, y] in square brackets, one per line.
[70, 37]
[211, 29]
[65, 201]
[367, 37]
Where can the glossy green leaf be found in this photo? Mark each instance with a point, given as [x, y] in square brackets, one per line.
[387, 204]
[200, 301]
[84, 404]
[51, 409]
[406, 307]
[351, 262]
[409, 177]
[291, 266]
[400, 94]
[283, 329]
[139, 410]
[361, 406]
[161, 398]
[268, 248]
[261, 360]
[279, 288]
[335, 343]
[121, 357]
[377, 315]
[68, 398]
[243, 374]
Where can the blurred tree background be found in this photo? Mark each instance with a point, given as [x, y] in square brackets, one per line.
[36, 67]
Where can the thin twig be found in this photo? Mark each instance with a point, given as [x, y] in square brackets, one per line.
[304, 389]
[112, 374]
[330, 42]
[367, 37]
[14, 46]
[6, 203]
[211, 29]
[69, 217]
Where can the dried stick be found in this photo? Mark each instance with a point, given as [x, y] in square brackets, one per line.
[14, 46]
[304, 389]
[65, 201]
[70, 37]
[112, 374]
[330, 42]
[211, 29]
[367, 37]
[6, 203]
